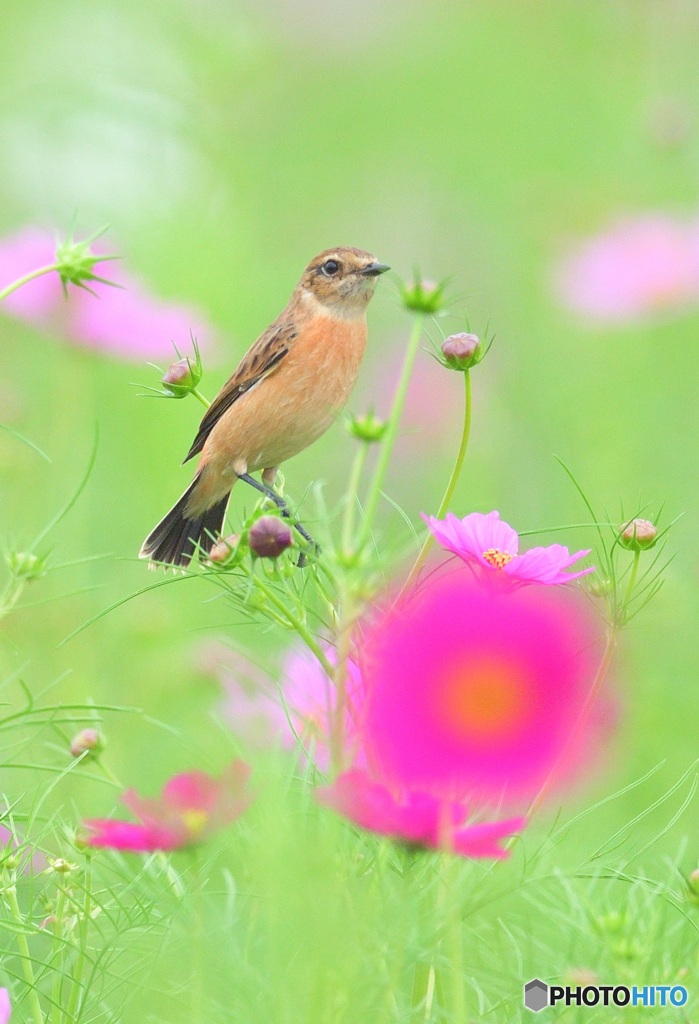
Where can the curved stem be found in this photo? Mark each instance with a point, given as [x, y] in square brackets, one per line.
[198, 395]
[451, 486]
[389, 440]
[24, 280]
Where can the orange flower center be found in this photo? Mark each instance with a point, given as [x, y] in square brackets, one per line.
[195, 822]
[483, 699]
[497, 558]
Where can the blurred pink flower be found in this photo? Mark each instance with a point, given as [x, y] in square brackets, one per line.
[191, 806]
[126, 322]
[475, 691]
[5, 1006]
[486, 541]
[640, 267]
[416, 817]
[297, 709]
[310, 696]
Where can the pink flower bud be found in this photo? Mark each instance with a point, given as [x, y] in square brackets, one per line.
[224, 549]
[638, 534]
[182, 377]
[269, 536]
[88, 741]
[462, 351]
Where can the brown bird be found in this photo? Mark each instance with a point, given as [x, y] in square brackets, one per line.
[285, 392]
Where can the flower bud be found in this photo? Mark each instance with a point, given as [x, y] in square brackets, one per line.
[87, 741]
[75, 262]
[224, 549]
[182, 377]
[461, 351]
[423, 296]
[61, 865]
[269, 536]
[25, 566]
[367, 428]
[694, 881]
[600, 587]
[638, 534]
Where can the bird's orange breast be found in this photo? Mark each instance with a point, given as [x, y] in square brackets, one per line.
[296, 403]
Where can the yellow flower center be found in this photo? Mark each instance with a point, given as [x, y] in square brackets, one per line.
[497, 558]
[483, 699]
[195, 822]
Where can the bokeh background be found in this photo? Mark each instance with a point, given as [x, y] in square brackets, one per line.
[227, 143]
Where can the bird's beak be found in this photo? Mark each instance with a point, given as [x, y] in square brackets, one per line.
[374, 269]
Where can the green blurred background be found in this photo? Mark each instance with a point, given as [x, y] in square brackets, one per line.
[226, 144]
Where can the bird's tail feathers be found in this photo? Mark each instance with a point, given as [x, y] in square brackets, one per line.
[175, 539]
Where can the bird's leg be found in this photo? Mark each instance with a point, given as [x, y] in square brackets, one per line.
[280, 503]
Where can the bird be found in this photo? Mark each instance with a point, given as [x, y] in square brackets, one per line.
[285, 392]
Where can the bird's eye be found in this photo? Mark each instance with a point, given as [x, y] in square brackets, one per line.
[330, 267]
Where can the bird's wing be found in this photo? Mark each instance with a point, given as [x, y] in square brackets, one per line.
[260, 360]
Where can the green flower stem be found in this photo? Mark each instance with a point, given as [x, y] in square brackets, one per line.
[351, 498]
[27, 969]
[83, 929]
[26, 279]
[197, 987]
[347, 617]
[296, 624]
[450, 869]
[198, 395]
[58, 958]
[623, 611]
[600, 675]
[374, 493]
[451, 486]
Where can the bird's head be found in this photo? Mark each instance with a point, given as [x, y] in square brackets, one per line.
[342, 280]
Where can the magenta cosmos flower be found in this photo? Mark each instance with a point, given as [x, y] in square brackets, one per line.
[486, 541]
[473, 691]
[190, 807]
[416, 817]
[641, 267]
[5, 1006]
[127, 321]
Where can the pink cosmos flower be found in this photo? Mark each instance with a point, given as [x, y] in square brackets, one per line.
[126, 322]
[191, 806]
[475, 691]
[416, 817]
[5, 1006]
[485, 541]
[640, 267]
[297, 709]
